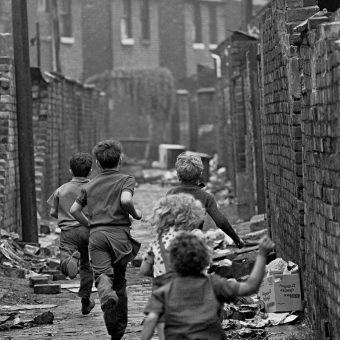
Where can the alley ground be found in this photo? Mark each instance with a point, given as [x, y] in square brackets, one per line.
[69, 323]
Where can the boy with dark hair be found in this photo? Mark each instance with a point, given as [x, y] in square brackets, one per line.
[189, 168]
[108, 198]
[74, 236]
[191, 301]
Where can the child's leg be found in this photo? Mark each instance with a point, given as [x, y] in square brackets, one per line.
[85, 271]
[69, 255]
[160, 330]
[119, 285]
[101, 262]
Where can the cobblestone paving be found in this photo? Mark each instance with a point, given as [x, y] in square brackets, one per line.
[68, 321]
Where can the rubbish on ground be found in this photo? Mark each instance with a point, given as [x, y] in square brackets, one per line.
[13, 321]
[280, 290]
[44, 318]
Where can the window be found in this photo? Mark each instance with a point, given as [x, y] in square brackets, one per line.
[213, 23]
[197, 22]
[145, 18]
[44, 6]
[126, 21]
[65, 18]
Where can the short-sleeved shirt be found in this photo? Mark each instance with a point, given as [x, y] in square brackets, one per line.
[101, 197]
[153, 255]
[191, 304]
[63, 198]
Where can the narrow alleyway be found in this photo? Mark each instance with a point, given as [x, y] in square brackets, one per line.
[68, 321]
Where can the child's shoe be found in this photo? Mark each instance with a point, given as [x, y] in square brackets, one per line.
[110, 315]
[87, 305]
[72, 265]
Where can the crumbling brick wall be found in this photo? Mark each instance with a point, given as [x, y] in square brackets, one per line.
[9, 170]
[300, 76]
[320, 70]
[282, 127]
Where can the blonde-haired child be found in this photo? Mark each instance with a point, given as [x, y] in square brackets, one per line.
[172, 215]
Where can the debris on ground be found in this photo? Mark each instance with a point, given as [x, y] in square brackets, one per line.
[23, 260]
[13, 321]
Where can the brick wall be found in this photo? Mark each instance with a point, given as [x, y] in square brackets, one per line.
[282, 130]
[68, 117]
[9, 170]
[320, 69]
[300, 62]
[141, 53]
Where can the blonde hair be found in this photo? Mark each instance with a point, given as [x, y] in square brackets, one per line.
[189, 167]
[181, 211]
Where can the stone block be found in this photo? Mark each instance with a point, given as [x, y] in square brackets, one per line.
[38, 280]
[53, 263]
[307, 3]
[59, 276]
[258, 222]
[51, 288]
[301, 14]
[294, 3]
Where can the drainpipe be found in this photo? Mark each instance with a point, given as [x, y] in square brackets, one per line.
[217, 59]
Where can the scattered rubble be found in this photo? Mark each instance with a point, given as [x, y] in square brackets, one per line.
[13, 321]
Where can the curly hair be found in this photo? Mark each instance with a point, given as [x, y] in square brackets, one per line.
[189, 167]
[181, 211]
[189, 255]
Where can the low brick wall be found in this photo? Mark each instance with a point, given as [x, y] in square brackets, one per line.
[9, 170]
[68, 117]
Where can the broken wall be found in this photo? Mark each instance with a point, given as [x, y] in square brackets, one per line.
[301, 93]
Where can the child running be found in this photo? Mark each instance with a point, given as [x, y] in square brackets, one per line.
[74, 236]
[189, 168]
[108, 198]
[191, 301]
[173, 214]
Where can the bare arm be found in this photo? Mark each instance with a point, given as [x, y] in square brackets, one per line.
[54, 212]
[77, 213]
[127, 203]
[222, 222]
[149, 326]
[254, 281]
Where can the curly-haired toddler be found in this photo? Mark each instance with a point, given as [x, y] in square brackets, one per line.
[190, 301]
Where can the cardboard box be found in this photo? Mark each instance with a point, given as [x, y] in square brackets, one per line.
[281, 293]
